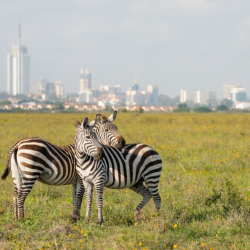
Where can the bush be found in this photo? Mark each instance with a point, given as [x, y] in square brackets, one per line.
[182, 107]
[202, 110]
[222, 108]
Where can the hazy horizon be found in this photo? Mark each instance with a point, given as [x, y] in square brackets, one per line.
[182, 44]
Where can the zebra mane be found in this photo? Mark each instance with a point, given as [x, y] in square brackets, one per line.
[77, 124]
[105, 118]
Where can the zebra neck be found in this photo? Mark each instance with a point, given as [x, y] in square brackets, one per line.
[84, 160]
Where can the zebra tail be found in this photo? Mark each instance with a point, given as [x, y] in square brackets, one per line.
[8, 164]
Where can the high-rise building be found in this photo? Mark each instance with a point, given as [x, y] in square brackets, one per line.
[153, 92]
[18, 69]
[85, 80]
[35, 88]
[227, 90]
[202, 97]
[59, 89]
[238, 94]
[186, 95]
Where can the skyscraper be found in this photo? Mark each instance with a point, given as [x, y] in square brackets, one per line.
[59, 89]
[85, 80]
[18, 69]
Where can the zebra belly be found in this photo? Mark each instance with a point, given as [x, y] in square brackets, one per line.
[45, 179]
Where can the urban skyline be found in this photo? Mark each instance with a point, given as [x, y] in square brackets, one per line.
[18, 72]
[202, 46]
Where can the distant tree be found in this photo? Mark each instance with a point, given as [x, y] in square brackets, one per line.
[182, 107]
[227, 103]
[222, 108]
[6, 102]
[59, 105]
[164, 100]
[202, 109]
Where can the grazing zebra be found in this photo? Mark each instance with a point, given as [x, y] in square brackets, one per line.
[32, 159]
[128, 167]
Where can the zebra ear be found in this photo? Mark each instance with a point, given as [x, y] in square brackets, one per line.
[85, 123]
[113, 116]
[99, 118]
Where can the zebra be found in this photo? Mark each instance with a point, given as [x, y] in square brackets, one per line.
[32, 159]
[128, 167]
[107, 132]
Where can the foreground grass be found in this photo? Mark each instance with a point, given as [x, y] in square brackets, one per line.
[205, 187]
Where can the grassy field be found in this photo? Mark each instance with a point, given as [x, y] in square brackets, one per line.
[205, 187]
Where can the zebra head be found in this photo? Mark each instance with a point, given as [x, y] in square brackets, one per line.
[106, 131]
[86, 142]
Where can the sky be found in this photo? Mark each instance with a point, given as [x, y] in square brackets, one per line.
[173, 44]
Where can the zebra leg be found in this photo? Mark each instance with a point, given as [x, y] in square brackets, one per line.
[157, 201]
[26, 186]
[89, 193]
[78, 192]
[99, 187]
[22, 194]
[152, 185]
[15, 196]
[144, 192]
[74, 212]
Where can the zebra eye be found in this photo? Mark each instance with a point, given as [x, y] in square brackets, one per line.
[87, 137]
[106, 130]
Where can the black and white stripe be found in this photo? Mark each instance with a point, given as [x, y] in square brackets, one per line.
[106, 131]
[128, 167]
[32, 159]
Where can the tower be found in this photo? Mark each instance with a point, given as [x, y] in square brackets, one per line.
[85, 80]
[18, 68]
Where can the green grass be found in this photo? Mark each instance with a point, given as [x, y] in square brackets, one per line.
[205, 187]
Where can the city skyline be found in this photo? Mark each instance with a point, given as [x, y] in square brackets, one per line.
[203, 46]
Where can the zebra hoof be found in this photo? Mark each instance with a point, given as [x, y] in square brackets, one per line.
[136, 215]
[75, 217]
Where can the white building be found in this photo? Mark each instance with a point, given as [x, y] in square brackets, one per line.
[242, 105]
[86, 96]
[18, 71]
[131, 97]
[111, 89]
[202, 97]
[35, 88]
[238, 94]
[227, 90]
[85, 80]
[186, 95]
[59, 89]
[153, 95]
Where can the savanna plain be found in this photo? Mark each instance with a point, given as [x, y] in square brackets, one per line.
[204, 186]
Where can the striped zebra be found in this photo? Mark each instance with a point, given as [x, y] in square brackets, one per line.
[106, 131]
[32, 159]
[128, 167]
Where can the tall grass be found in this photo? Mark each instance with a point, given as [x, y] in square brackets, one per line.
[205, 187]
